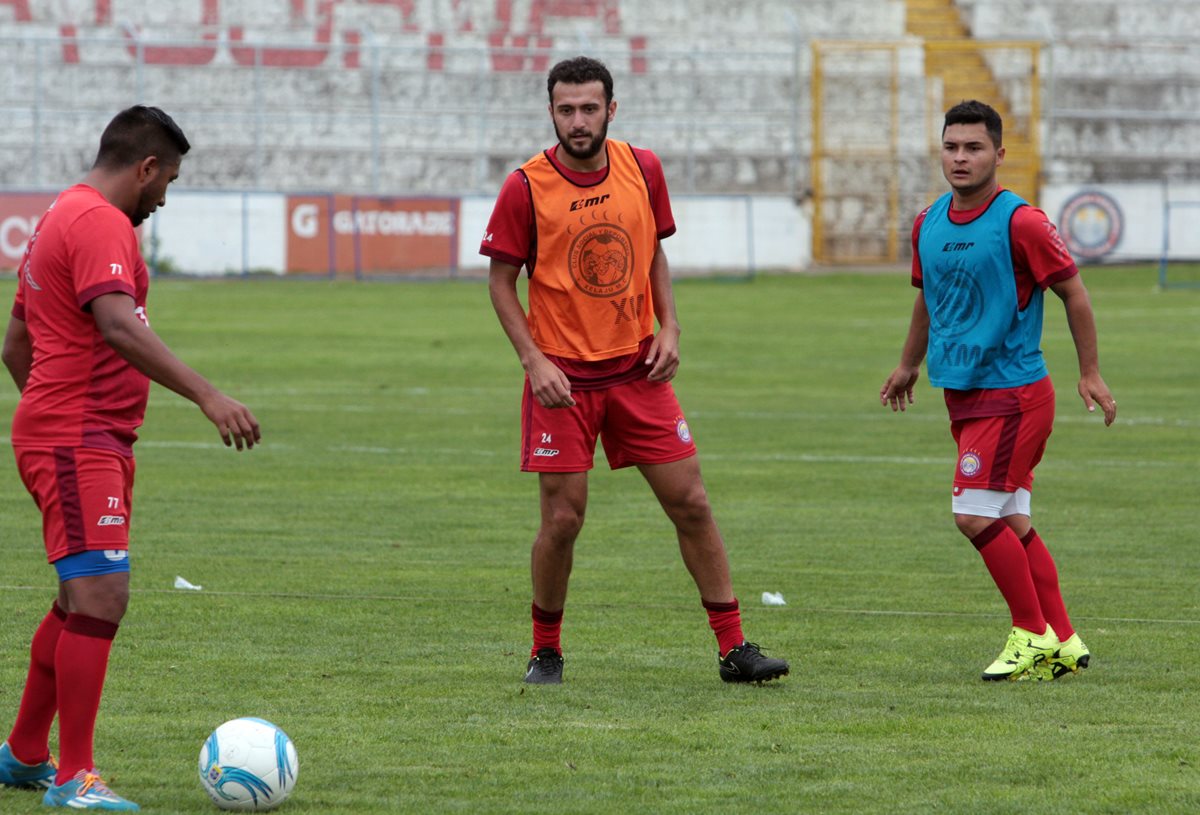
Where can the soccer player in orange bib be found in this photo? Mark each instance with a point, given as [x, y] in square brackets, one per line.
[586, 218]
[80, 348]
[982, 259]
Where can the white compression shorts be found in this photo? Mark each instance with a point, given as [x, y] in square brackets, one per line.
[991, 503]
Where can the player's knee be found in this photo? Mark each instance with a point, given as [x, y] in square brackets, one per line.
[110, 607]
[115, 610]
[690, 508]
[562, 524]
[105, 597]
[972, 525]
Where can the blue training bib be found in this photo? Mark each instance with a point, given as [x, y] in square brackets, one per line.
[978, 337]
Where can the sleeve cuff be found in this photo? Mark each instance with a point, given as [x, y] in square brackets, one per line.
[496, 254]
[1059, 276]
[85, 297]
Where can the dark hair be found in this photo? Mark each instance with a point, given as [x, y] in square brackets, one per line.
[577, 71]
[138, 132]
[973, 112]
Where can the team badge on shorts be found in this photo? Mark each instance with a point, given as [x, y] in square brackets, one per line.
[969, 464]
[682, 430]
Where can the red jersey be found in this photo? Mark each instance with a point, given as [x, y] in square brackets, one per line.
[81, 392]
[1039, 258]
[512, 237]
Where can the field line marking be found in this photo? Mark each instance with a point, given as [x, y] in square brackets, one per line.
[802, 458]
[402, 598]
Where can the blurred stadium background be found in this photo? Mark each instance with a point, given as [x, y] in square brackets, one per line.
[369, 137]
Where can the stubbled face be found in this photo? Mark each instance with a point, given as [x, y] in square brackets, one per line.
[970, 158]
[154, 194]
[581, 118]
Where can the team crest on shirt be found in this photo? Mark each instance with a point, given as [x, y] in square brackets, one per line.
[601, 260]
[970, 463]
[682, 430]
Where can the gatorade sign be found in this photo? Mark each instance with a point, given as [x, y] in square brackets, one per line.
[352, 235]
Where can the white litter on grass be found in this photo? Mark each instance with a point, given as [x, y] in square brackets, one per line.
[773, 598]
[180, 583]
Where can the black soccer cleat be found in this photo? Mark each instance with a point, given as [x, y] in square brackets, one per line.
[746, 663]
[545, 668]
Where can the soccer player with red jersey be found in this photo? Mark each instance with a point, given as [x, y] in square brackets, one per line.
[586, 218]
[80, 348]
[982, 258]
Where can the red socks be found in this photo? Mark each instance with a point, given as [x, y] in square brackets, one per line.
[30, 735]
[1005, 559]
[547, 630]
[726, 622]
[724, 618]
[80, 663]
[1045, 580]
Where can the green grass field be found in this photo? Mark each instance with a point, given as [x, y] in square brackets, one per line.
[365, 571]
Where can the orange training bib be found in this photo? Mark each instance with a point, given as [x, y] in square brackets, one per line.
[589, 294]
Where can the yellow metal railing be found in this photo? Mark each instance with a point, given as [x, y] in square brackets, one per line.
[866, 223]
[886, 151]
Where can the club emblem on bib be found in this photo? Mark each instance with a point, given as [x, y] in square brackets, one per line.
[601, 260]
[957, 304]
[969, 464]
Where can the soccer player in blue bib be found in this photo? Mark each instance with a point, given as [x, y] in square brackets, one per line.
[982, 258]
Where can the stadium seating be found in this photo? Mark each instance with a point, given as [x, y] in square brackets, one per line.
[446, 96]
[447, 103]
[1122, 83]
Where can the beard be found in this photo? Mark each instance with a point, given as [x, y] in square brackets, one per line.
[144, 207]
[590, 150]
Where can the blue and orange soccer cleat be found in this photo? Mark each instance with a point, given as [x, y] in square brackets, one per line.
[87, 791]
[14, 773]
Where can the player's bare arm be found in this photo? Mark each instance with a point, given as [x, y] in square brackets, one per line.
[18, 352]
[663, 358]
[549, 384]
[1082, 322]
[897, 390]
[130, 337]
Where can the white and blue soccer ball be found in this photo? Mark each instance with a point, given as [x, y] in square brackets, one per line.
[248, 764]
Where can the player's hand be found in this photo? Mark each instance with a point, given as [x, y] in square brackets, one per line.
[899, 387]
[550, 385]
[234, 421]
[663, 357]
[1094, 392]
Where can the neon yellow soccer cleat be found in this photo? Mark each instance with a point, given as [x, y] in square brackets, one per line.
[1021, 653]
[1069, 658]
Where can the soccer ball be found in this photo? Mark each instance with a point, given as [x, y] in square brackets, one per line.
[248, 764]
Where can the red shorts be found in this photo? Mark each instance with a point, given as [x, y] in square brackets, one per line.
[638, 422]
[1000, 452]
[85, 497]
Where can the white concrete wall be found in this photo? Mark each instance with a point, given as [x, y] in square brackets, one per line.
[202, 232]
[209, 233]
[1138, 214]
[714, 234]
